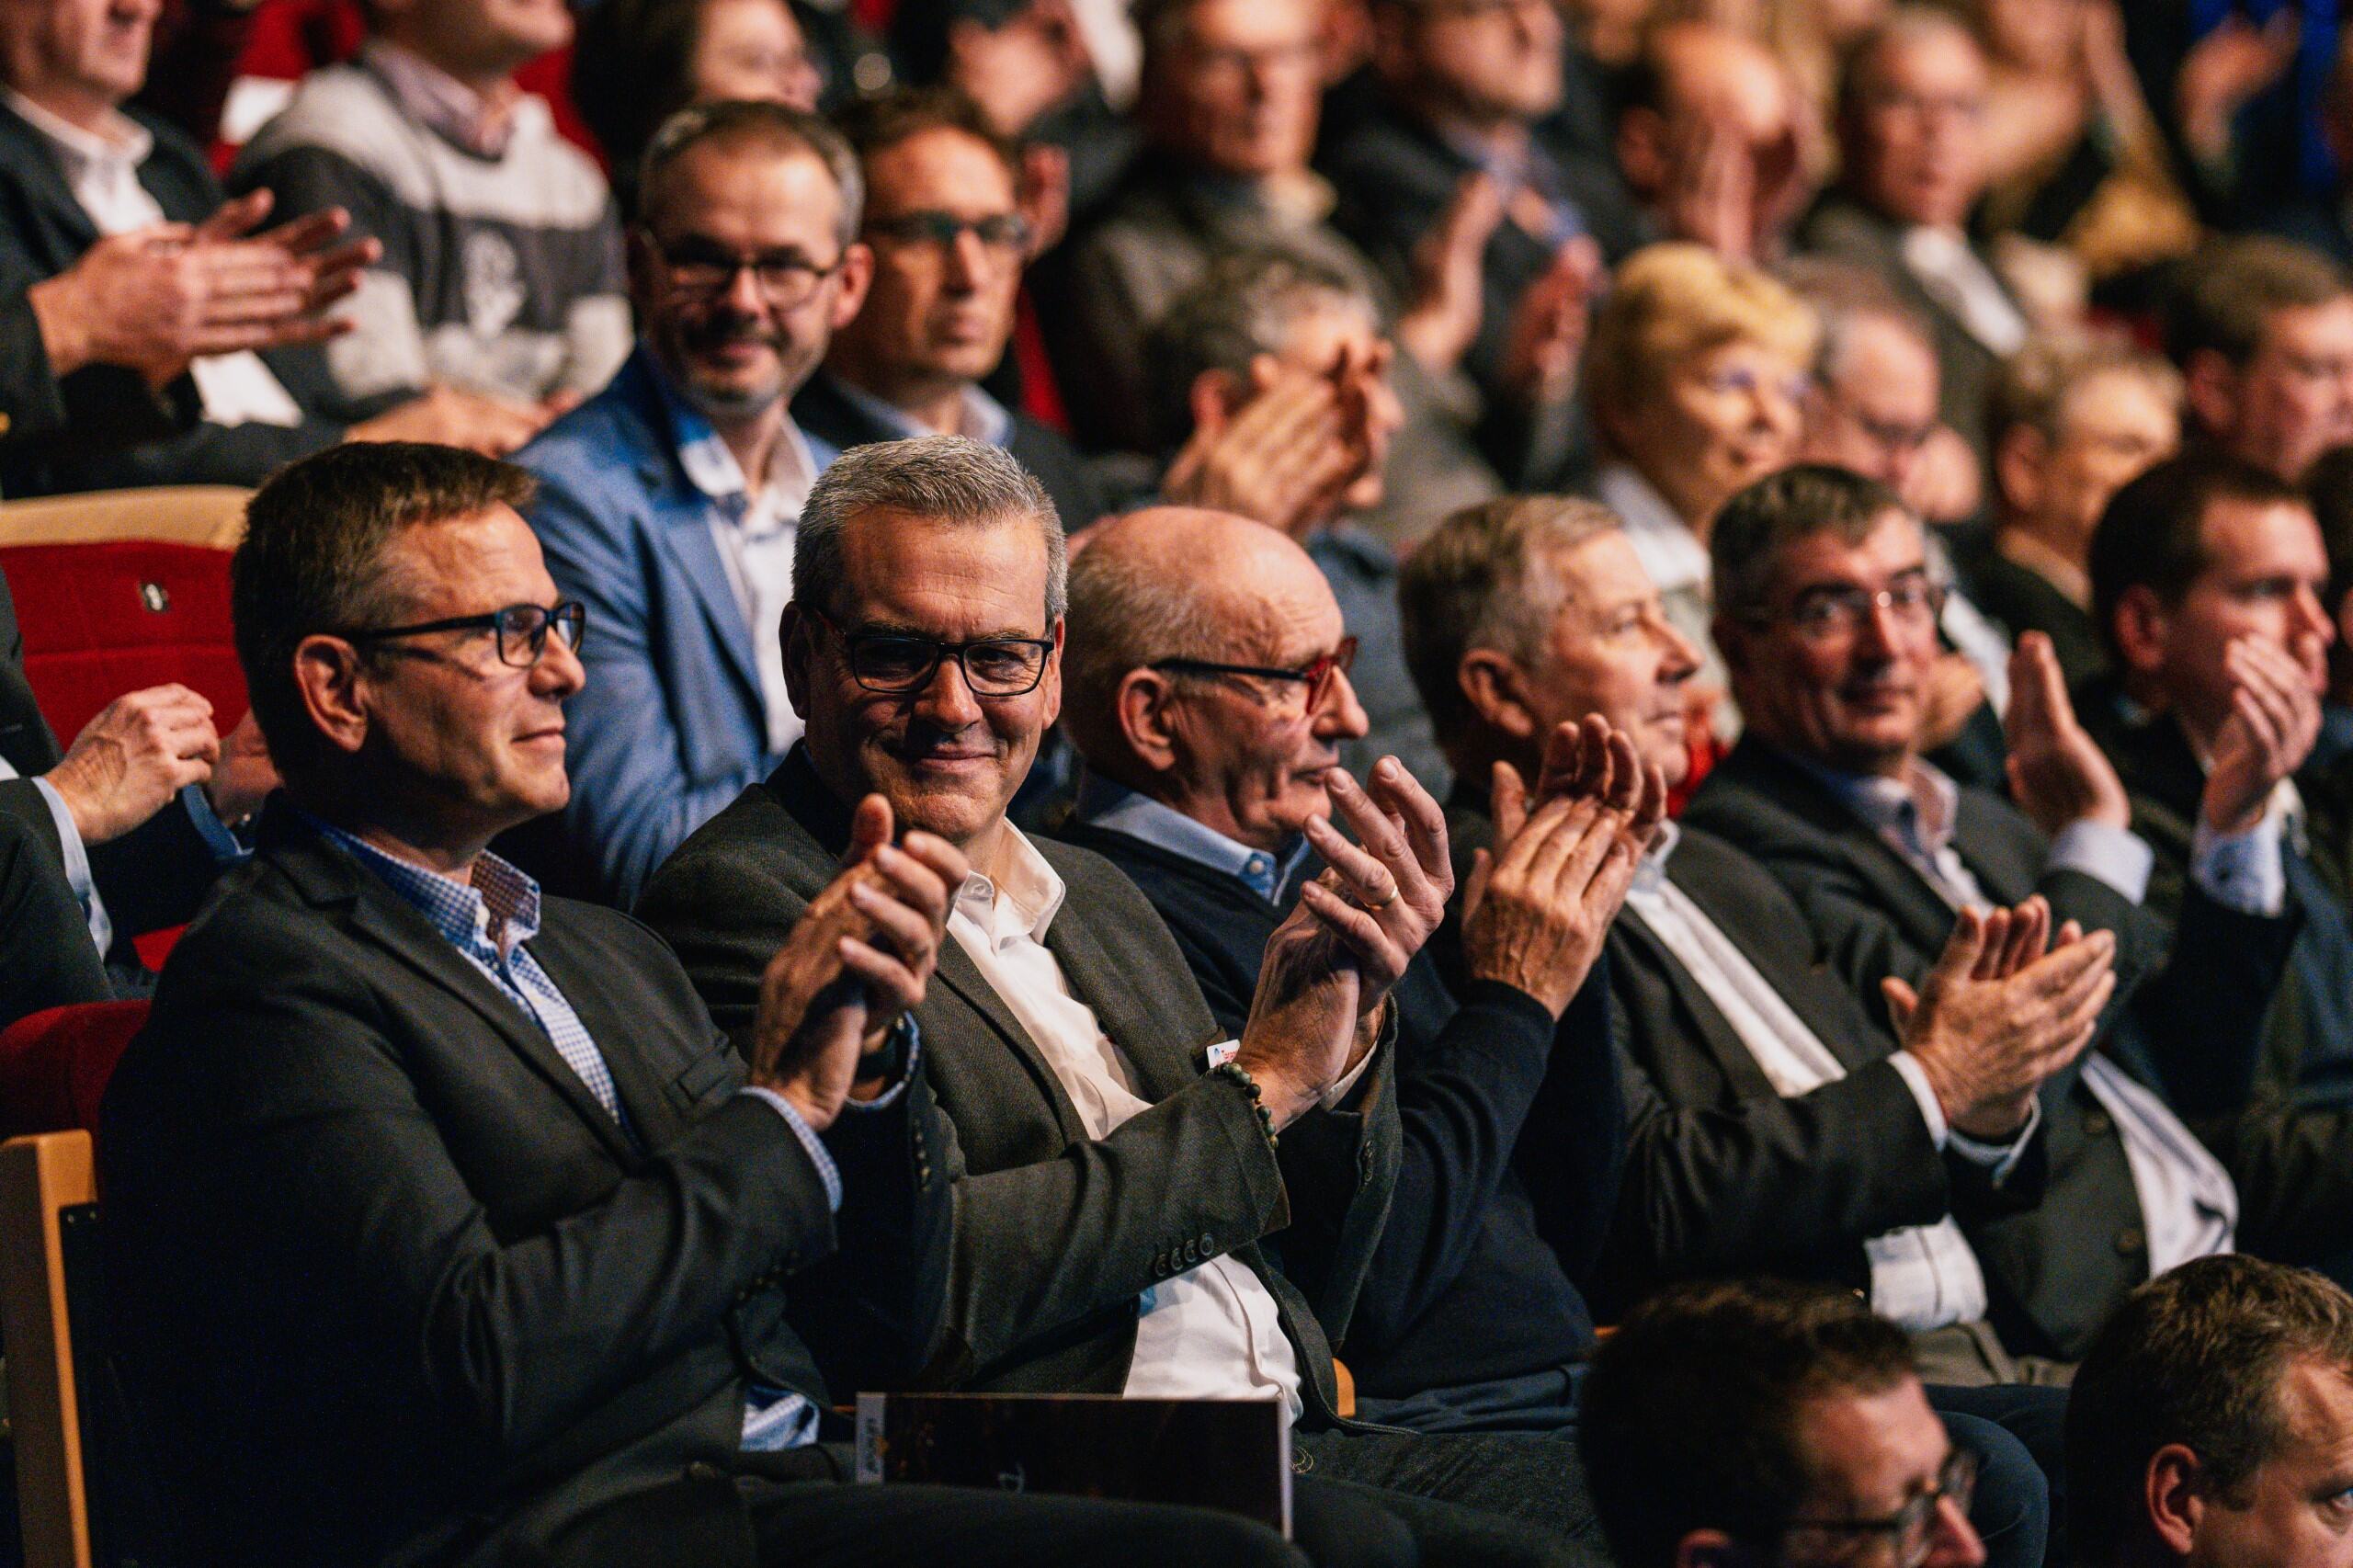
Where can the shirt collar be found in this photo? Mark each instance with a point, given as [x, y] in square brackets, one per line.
[1016, 894]
[1649, 876]
[475, 122]
[986, 419]
[1669, 551]
[1117, 808]
[499, 908]
[710, 463]
[1919, 808]
[123, 141]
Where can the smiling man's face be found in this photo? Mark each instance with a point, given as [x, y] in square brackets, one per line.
[1846, 695]
[1611, 652]
[949, 761]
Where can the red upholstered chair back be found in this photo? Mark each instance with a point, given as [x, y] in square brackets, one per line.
[54, 1066]
[103, 619]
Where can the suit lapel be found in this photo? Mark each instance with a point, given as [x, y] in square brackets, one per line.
[587, 986]
[964, 978]
[1699, 1012]
[1121, 1010]
[685, 514]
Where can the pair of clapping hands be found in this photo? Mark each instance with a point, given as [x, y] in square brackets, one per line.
[1295, 440]
[1535, 910]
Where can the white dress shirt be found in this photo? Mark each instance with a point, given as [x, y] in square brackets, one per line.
[1958, 279]
[101, 168]
[755, 536]
[1212, 1332]
[1923, 1276]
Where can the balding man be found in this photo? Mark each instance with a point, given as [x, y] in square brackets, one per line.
[1209, 692]
[1911, 145]
[1709, 141]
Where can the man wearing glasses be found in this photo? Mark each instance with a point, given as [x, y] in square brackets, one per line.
[949, 248]
[1132, 1180]
[668, 502]
[1207, 692]
[1826, 618]
[1771, 1424]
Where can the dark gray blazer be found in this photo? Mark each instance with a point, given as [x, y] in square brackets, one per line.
[1056, 1233]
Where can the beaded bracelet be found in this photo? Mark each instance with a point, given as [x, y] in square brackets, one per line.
[1258, 1102]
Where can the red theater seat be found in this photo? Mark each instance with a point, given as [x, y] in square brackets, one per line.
[103, 619]
[54, 1066]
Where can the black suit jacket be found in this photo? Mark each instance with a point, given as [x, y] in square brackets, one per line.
[151, 877]
[2066, 1265]
[821, 409]
[1729, 1177]
[392, 1285]
[1057, 1235]
[2024, 600]
[43, 231]
[1461, 1289]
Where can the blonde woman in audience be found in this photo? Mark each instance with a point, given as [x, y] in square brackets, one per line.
[1694, 374]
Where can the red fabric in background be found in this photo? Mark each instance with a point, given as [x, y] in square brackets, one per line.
[90, 634]
[54, 1066]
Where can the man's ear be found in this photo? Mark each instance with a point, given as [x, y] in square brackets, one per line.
[798, 635]
[1144, 708]
[2143, 629]
[2209, 390]
[333, 680]
[1497, 689]
[2017, 468]
[1711, 1549]
[1049, 685]
[857, 273]
[1213, 398]
[2173, 1495]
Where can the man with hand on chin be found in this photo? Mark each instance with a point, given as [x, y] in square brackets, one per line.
[1116, 1155]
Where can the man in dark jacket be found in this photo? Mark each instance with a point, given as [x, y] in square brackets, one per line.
[442, 1226]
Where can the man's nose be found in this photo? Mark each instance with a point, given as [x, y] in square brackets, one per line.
[2313, 617]
[558, 672]
[744, 292]
[1340, 715]
[946, 699]
[1956, 1544]
[970, 261]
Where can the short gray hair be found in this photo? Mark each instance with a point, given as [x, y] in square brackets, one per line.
[1247, 304]
[774, 127]
[1482, 579]
[951, 479]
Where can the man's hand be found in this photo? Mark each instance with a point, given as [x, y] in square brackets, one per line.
[1381, 896]
[1304, 1030]
[1998, 1016]
[133, 757]
[156, 298]
[1537, 910]
[2233, 63]
[2058, 774]
[1283, 459]
[244, 775]
[1547, 325]
[2273, 723]
[446, 416]
[857, 959]
[1441, 321]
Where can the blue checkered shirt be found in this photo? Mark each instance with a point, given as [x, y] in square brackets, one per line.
[489, 920]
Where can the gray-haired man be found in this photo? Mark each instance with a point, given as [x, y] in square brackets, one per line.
[1113, 1153]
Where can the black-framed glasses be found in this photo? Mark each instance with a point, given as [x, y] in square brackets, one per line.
[900, 664]
[787, 279]
[1913, 1526]
[522, 630]
[1317, 675]
[1834, 612]
[1005, 234]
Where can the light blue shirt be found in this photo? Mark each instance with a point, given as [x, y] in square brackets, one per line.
[986, 419]
[1117, 808]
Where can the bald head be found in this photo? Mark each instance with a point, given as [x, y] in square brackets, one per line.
[1701, 86]
[1705, 67]
[1190, 587]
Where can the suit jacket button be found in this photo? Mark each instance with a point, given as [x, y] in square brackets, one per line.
[2097, 1124]
[2130, 1242]
[1192, 1252]
[1209, 1244]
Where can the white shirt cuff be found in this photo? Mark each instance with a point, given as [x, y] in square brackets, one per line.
[1332, 1098]
[77, 868]
[2111, 854]
[1916, 1078]
[1999, 1158]
[2241, 871]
